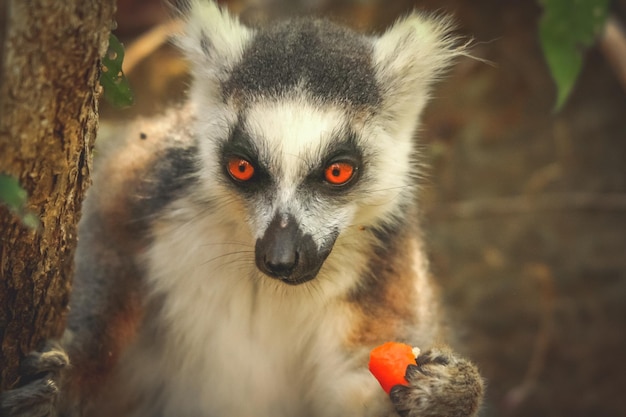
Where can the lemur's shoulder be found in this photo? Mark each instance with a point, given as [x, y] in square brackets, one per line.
[141, 168]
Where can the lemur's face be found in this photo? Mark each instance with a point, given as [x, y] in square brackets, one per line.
[294, 153]
[300, 171]
[306, 129]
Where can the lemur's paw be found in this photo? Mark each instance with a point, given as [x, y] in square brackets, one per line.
[440, 385]
[40, 375]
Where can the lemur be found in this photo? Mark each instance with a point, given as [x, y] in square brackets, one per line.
[242, 254]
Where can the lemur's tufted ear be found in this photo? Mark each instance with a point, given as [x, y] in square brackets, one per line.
[408, 58]
[212, 39]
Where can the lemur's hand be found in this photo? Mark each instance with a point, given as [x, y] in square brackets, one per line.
[440, 385]
[41, 372]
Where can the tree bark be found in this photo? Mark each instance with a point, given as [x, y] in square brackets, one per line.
[50, 54]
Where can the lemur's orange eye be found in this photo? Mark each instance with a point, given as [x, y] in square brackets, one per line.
[339, 173]
[240, 169]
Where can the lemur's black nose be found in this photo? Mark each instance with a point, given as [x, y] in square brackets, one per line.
[276, 251]
[281, 266]
[284, 252]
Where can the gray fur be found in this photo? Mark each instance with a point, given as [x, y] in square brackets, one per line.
[328, 61]
[171, 176]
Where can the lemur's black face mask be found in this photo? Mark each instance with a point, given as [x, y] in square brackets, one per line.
[285, 253]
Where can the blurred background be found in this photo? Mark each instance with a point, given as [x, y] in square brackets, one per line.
[524, 207]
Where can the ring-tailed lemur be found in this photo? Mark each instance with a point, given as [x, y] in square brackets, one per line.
[241, 255]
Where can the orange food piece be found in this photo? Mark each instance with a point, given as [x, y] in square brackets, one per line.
[388, 363]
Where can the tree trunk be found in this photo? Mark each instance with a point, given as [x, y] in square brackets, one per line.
[49, 68]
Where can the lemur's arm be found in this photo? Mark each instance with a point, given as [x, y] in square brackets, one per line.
[137, 176]
[390, 307]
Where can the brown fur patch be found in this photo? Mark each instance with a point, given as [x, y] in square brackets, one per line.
[395, 300]
[89, 373]
[123, 172]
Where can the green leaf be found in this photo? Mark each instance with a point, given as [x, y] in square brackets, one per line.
[11, 193]
[567, 28]
[15, 198]
[116, 87]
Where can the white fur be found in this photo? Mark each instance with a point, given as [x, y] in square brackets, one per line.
[291, 135]
[213, 41]
[237, 343]
[225, 37]
[409, 57]
[241, 344]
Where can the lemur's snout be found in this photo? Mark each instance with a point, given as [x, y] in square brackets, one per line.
[285, 253]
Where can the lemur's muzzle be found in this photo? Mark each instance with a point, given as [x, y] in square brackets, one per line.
[285, 253]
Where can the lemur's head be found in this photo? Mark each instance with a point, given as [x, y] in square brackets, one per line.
[306, 128]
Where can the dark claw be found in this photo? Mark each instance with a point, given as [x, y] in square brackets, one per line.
[398, 395]
[429, 357]
[414, 371]
[424, 362]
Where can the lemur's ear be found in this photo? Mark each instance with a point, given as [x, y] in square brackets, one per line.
[212, 39]
[408, 58]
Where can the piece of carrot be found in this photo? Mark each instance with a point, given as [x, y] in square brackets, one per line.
[388, 363]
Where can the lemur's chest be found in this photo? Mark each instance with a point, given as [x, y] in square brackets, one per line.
[231, 349]
[242, 355]
[230, 341]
